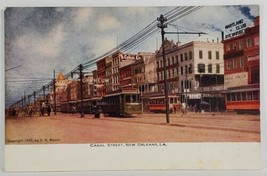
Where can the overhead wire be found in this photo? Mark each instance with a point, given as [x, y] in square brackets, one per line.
[135, 40]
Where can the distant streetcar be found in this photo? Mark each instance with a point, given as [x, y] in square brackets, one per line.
[121, 104]
[157, 104]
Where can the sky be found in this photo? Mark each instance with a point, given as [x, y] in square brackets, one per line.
[40, 40]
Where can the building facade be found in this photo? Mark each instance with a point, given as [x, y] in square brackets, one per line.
[242, 73]
[194, 71]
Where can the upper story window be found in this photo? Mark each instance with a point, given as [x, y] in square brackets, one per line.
[182, 70]
[241, 61]
[172, 61]
[217, 68]
[177, 58]
[181, 57]
[248, 43]
[217, 55]
[228, 47]
[200, 53]
[241, 44]
[157, 64]
[190, 55]
[190, 69]
[228, 65]
[210, 68]
[185, 56]
[209, 55]
[201, 68]
[235, 63]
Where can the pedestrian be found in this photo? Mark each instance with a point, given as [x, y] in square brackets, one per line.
[48, 110]
[183, 108]
[97, 113]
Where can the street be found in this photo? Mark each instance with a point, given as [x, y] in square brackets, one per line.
[71, 129]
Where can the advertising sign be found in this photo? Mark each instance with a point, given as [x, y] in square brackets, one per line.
[236, 79]
[235, 29]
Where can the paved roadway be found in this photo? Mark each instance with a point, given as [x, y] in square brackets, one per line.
[70, 128]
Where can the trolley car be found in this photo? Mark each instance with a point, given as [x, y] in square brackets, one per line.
[243, 102]
[76, 106]
[157, 104]
[121, 104]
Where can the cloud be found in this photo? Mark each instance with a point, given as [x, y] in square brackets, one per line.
[139, 10]
[104, 44]
[107, 23]
[82, 16]
[50, 45]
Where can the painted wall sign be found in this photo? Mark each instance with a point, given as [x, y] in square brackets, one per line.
[236, 79]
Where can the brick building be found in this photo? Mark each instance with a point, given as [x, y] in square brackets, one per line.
[242, 76]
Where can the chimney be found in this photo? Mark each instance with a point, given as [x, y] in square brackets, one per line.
[222, 36]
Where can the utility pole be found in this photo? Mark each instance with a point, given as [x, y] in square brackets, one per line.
[55, 104]
[161, 25]
[44, 92]
[34, 98]
[81, 75]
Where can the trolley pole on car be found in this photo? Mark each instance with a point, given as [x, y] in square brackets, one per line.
[55, 103]
[161, 25]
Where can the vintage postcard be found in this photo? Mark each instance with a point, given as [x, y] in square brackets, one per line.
[132, 88]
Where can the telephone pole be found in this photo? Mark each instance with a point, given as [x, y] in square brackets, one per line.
[81, 75]
[55, 104]
[161, 25]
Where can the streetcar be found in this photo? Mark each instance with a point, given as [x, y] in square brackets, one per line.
[121, 104]
[243, 102]
[76, 106]
[157, 104]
